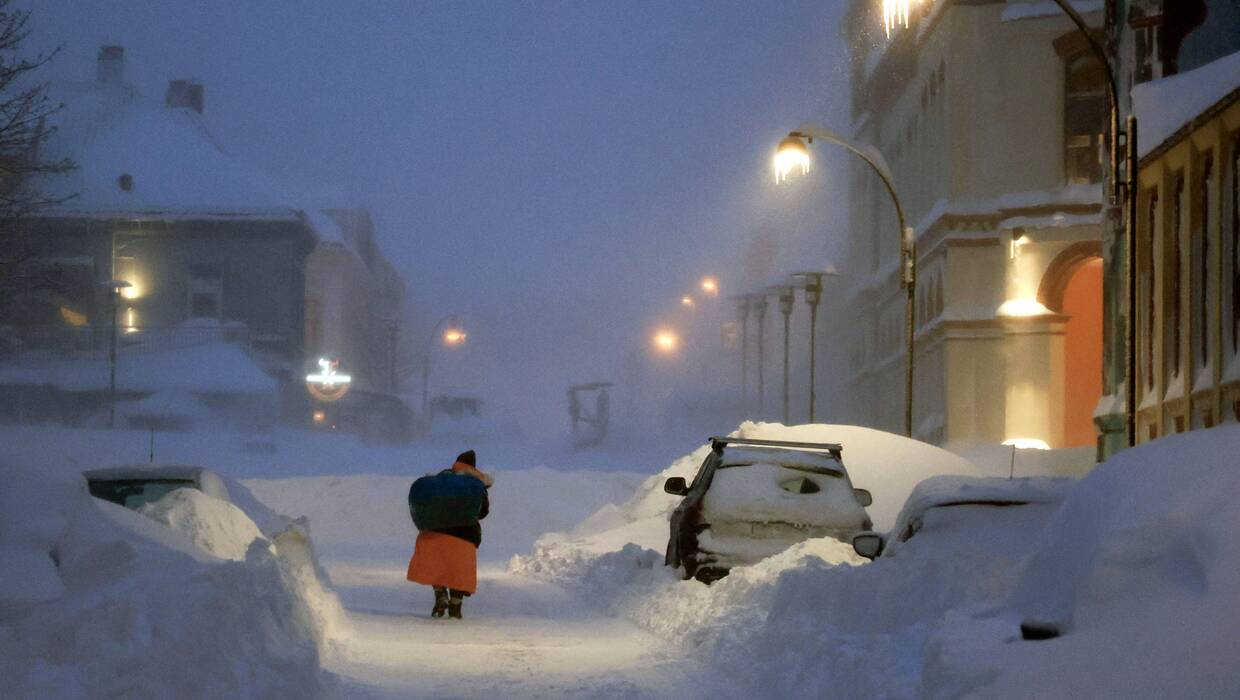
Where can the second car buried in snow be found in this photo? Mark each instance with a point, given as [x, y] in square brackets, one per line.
[754, 498]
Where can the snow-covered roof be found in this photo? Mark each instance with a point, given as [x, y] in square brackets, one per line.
[208, 368]
[1164, 107]
[175, 167]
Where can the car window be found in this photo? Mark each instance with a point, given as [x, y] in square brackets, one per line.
[133, 493]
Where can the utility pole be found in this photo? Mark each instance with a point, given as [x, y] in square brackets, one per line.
[813, 296]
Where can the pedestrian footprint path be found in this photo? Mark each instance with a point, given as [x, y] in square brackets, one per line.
[521, 638]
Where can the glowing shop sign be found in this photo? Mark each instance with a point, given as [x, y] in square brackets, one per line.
[327, 384]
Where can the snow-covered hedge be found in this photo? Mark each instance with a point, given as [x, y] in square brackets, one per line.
[100, 601]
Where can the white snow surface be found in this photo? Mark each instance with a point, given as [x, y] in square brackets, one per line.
[100, 601]
[1137, 563]
[1164, 106]
[217, 526]
[753, 494]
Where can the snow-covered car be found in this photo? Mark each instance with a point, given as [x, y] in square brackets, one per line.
[973, 512]
[133, 486]
[754, 498]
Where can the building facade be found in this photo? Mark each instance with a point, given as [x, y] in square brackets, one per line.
[991, 116]
[1183, 61]
[206, 254]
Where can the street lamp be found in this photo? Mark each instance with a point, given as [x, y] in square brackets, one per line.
[687, 302]
[115, 289]
[758, 303]
[792, 152]
[452, 336]
[785, 294]
[742, 306]
[812, 285]
[710, 286]
[666, 341]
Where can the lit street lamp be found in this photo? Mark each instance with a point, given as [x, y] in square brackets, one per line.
[710, 286]
[452, 336]
[666, 341]
[786, 296]
[792, 154]
[687, 302]
[115, 289]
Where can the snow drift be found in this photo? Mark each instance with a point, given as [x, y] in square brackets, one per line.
[1137, 565]
[98, 600]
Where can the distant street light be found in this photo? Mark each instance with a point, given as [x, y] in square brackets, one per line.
[666, 341]
[687, 302]
[453, 336]
[710, 286]
[792, 152]
[115, 289]
[813, 296]
[785, 295]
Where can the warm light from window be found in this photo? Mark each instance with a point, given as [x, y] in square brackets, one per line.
[319, 417]
[131, 320]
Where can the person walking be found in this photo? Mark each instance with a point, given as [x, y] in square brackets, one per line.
[446, 558]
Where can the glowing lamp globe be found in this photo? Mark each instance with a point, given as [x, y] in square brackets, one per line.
[792, 154]
[666, 341]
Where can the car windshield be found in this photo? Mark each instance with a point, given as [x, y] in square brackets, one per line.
[133, 493]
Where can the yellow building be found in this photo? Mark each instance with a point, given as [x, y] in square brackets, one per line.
[1188, 250]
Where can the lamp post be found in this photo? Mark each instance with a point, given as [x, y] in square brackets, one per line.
[758, 302]
[793, 154]
[785, 295]
[742, 306]
[813, 296]
[114, 288]
[452, 335]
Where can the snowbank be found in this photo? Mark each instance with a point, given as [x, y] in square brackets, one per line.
[97, 600]
[217, 526]
[1137, 564]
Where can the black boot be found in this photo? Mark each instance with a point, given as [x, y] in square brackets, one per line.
[441, 602]
[454, 605]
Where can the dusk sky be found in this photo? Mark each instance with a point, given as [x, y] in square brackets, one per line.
[556, 173]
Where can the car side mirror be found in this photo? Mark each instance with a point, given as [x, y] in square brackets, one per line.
[863, 497]
[868, 545]
[676, 486]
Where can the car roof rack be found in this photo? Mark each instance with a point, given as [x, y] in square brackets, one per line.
[718, 443]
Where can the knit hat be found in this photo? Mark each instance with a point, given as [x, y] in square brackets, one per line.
[468, 457]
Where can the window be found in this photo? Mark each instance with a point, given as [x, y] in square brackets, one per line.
[206, 291]
[1173, 317]
[1085, 109]
[1145, 258]
[1203, 284]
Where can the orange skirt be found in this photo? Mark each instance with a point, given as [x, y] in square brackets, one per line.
[444, 560]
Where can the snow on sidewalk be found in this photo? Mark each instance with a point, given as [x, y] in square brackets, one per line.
[521, 638]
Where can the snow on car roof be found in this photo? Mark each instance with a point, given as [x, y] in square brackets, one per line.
[737, 456]
[947, 490]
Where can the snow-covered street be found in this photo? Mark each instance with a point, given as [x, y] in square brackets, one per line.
[521, 638]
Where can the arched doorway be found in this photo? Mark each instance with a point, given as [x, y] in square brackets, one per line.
[1073, 287]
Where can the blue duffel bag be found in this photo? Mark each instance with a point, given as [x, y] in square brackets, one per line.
[446, 500]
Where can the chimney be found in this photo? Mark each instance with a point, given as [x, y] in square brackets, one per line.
[184, 94]
[110, 66]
